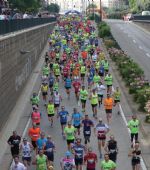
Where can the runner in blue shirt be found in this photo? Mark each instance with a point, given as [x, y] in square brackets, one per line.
[78, 150]
[51, 83]
[87, 124]
[41, 142]
[76, 118]
[68, 83]
[63, 118]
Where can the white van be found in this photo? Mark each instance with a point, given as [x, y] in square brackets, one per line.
[145, 13]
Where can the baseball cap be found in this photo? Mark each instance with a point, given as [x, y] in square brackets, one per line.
[100, 119]
[68, 153]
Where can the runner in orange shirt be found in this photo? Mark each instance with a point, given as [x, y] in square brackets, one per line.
[34, 134]
[108, 104]
[84, 55]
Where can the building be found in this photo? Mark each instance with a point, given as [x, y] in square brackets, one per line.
[115, 4]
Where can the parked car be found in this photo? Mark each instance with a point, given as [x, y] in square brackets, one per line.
[145, 13]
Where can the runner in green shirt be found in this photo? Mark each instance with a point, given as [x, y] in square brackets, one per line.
[109, 81]
[107, 164]
[83, 97]
[51, 112]
[46, 70]
[69, 132]
[41, 161]
[116, 96]
[133, 125]
[96, 78]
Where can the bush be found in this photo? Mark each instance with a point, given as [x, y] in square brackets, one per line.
[104, 30]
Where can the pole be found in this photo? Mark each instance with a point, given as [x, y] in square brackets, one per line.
[100, 10]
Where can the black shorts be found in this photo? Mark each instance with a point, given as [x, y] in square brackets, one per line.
[82, 75]
[50, 85]
[108, 110]
[56, 105]
[67, 88]
[90, 169]
[44, 93]
[63, 123]
[83, 101]
[34, 144]
[100, 95]
[50, 115]
[109, 86]
[101, 74]
[77, 127]
[94, 105]
[116, 101]
[50, 157]
[28, 159]
[70, 141]
[78, 161]
[135, 161]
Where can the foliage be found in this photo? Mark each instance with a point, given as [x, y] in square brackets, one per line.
[103, 30]
[25, 5]
[92, 5]
[95, 17]
[53, 8]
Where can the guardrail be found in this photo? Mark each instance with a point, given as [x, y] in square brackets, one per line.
[141, 17]
[8, 26]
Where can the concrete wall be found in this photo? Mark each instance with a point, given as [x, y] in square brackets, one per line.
[145, 25]
[15, 67]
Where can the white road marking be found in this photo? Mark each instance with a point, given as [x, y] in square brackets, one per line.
[134, 41]
[140, 47]
[126, 123]
[148, 55]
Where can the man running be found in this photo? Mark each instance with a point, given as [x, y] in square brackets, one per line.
[87, 124]
[116, 96]
[76, 84]
[100, 91]
[101, 129]
[63, 114]
[76, 118]
[51, 112]
[83, 97]
[68, 83]
[94, 102]
[78, 150]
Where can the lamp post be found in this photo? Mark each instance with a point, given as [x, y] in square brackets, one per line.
[100, 10]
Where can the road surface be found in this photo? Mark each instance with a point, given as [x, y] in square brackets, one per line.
[134, 41]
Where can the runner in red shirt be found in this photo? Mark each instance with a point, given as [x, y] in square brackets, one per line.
[76, 85]
[65, 72]
[90, 160]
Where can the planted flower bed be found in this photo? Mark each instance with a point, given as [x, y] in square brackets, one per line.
[130, 71]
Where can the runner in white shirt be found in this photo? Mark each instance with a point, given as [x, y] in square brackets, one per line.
[26, 148]
[100, 130]
[57, 100]
[16, 165]
[94, 57]
[100, 91]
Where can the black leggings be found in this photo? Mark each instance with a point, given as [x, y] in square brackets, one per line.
[134, 136]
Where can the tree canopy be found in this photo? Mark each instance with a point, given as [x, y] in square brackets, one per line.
[53, 8]
[25, 5]
[139, 5]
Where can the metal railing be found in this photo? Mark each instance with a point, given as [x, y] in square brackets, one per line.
[141, 17]
[8, 26]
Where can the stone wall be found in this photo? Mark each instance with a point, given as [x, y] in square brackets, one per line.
[18, 56]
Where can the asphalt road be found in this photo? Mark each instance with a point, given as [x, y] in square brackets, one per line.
[134, 41]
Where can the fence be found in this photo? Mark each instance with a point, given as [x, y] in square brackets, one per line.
[141, 17]
[7, 26]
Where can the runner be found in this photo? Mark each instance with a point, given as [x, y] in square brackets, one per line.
[57, 100]
[109, 81]
[68, 83]
[94, 102]
[46, 70]
[76, 84]
[96, 78]
[90, 160]
[101, 129]
[107, 164]
[41, 161]
[76, 118]
[70, 132]
[83, 72]
[116, 96]
[78, 150]
[106, 66]
[14, 141]
[34, 134]
[100, 91]
[67, 163]
[136, 157]
[87, 124]
[51, 83]
[49, 148]
[26, 149]
[108, 104]
[133, 125]
[112, 148]
[44, 89]
[36, 116]
[51, 112]
[17, 165]
[63, 114]
[35, 99]
[41, 142]
[83, 97]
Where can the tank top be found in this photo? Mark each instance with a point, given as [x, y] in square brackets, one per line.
[45, 88]
[41, 162]
[50, 109]
[26, 150]
[94, 99]
[112, 146]
[36, 117]
[101, 130]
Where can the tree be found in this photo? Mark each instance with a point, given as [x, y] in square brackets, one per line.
[53, 8]
[25, 5]
[92, 6]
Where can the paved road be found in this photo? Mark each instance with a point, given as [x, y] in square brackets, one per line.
[134, 41]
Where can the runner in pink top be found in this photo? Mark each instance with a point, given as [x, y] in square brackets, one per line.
[67, 163]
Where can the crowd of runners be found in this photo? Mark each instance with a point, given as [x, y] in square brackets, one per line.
[75, 59]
